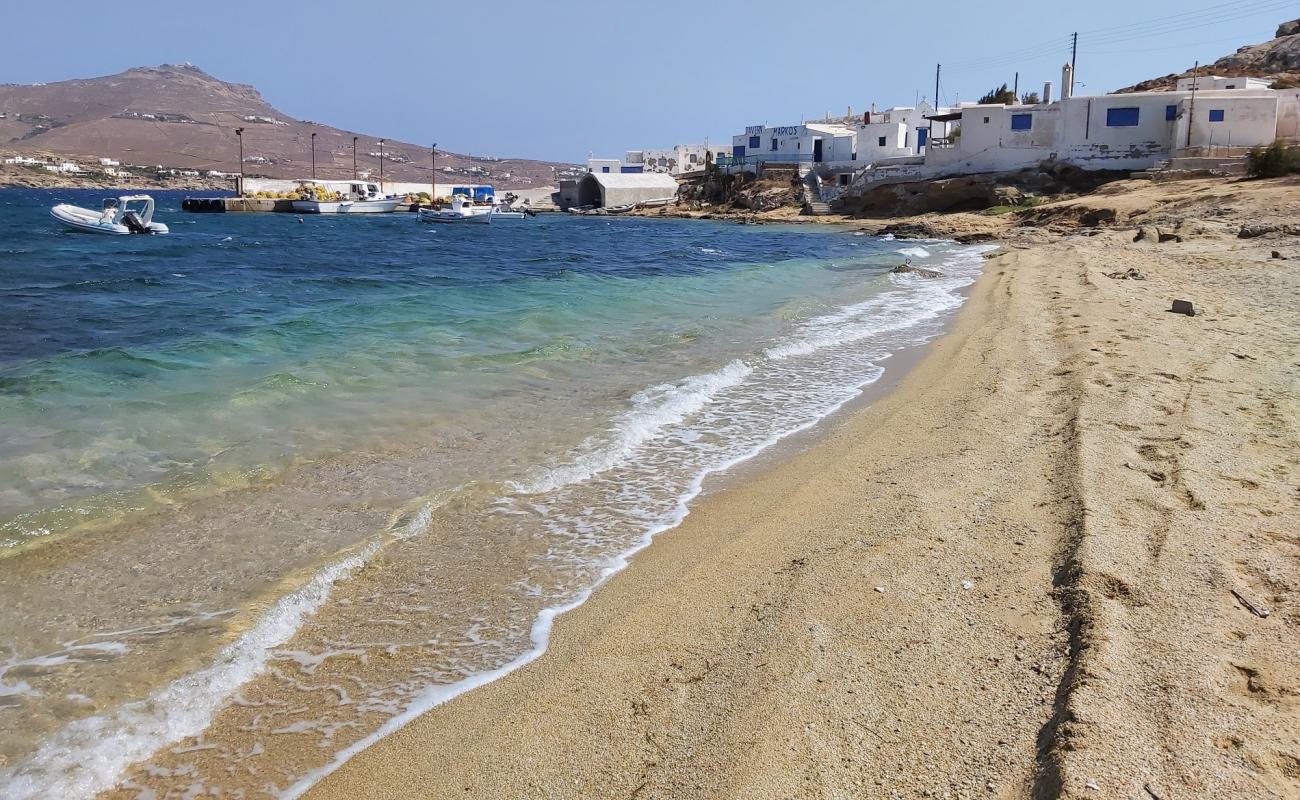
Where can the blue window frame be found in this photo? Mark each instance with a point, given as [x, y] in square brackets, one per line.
[1126, 117]
[774, 145]
[738, 151]
[1022, 122]
[1171, 112]
[881, 141]
[604, 169]
[1216, 115]
[754, 143]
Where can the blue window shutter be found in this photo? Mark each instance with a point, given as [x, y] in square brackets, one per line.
[604, 169]
[753, 143]
[1122, 117]
[1022, 122]
[738, 151]
[1216, 115]
[1171, 112]
[882, 141]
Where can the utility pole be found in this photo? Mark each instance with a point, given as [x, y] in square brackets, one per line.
[1191, 104]
[354, 158]
[1016, 89]
[313, 155]
[239, 132]
[937, 67]
[1074, 55]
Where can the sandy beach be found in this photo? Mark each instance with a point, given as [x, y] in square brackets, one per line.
[1059, 559]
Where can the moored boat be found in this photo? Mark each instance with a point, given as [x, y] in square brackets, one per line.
[120, 216]
[460, 210]
[361, 197]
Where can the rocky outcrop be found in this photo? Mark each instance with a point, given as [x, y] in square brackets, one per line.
[1277, 59]
[908, 269]
[972, 192]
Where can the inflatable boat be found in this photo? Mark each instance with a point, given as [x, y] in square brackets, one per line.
[120, 216]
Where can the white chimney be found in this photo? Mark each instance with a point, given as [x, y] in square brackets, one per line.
[1047, 92]
[1067, 81]
[850, 112]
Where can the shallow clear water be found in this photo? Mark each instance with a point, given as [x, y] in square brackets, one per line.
[280, 485]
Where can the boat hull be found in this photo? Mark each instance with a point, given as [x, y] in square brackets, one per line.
[427, 215]
[347, 206]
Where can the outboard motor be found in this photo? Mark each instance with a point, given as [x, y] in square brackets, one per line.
[134, 224]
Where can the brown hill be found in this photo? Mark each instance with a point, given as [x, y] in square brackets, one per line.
[182, 117]
[1277, 59]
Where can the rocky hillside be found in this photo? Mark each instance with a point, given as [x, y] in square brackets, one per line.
[182, 117]
[1277, 59]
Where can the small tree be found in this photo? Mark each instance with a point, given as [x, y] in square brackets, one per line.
[1030, 98]
[1272, 161]
[1002, 95]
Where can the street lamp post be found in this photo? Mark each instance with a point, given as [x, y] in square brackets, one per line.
[381, 166]
[354, 158]
[239, 133]
[313, 155]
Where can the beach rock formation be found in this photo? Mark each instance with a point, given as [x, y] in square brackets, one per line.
[908, 269]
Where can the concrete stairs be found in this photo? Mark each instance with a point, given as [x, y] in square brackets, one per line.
[812, 200]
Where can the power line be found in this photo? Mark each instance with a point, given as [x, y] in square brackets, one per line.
[1230, 9]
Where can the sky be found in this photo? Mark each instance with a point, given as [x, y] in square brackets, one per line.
[561, 79]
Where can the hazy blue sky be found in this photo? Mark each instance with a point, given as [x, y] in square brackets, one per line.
[554, 79]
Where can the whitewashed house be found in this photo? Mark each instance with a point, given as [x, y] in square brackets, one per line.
[1129, 131]
[677, 160]
[1205, 83]
[802, 145]
[604, 165]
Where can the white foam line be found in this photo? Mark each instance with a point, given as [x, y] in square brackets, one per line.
[90, 755]
[540, 633]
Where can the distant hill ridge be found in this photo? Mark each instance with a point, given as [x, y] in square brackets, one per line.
[180, 116]
[1277, 60]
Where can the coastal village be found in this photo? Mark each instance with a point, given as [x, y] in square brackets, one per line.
[1205, 123]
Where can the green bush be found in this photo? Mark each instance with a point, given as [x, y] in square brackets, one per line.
[1272, 161]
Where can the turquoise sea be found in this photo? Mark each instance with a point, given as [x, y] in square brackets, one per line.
[270, 487]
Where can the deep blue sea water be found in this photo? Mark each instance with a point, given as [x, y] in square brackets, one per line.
[257, 444]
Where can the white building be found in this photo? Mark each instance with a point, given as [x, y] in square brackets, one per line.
[606, 189]
[837, 144]
[1210, 82]
[801, 145]
[676, 160]
[1115, 131]
[108, 162]
[604, 165]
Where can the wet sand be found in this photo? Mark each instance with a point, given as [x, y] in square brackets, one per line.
[1040, 567]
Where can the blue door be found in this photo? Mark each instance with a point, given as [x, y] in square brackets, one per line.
[922, 135]
[738, 152]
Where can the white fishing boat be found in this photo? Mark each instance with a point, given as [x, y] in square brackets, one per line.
[460, 210]
[356, 197]
[506, 212]
[120, 216]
